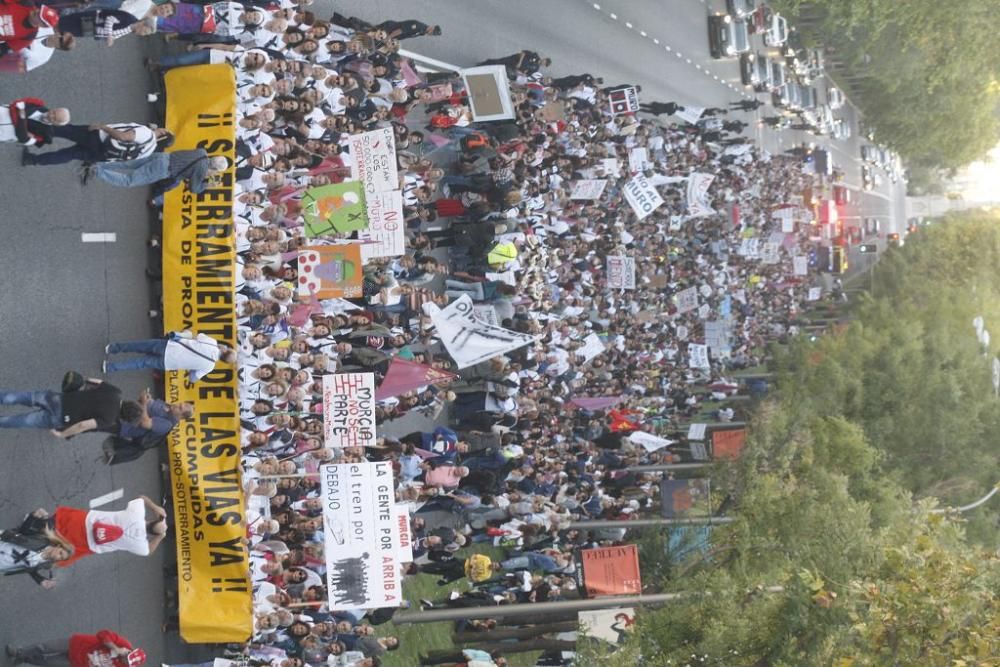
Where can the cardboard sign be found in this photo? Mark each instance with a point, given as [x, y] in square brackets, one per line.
[589, 188]
[349, 410]
[361, 531]
[815, 294]
[696, 432]
[698, 356]
[489, 93]
[621, 272]
[690, 114]
[468, 339]
[687, 300]
[611, 625]
[385, 235]
[330, 272]
[373, 160]
[638, 159]
[332, 209]
[623, 100]
[593, 346]
[405, 534]
[769, 253]
[800, 265]
[698, 202]
[642, 196]
[611, 571]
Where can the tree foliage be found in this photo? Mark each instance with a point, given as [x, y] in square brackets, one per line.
[924, 71]
[834, 490]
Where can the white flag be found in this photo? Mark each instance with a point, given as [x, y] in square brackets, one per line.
[468, 339]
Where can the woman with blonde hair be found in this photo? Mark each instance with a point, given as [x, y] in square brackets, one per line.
[33, 549]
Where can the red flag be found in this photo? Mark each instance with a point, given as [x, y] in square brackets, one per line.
[406, 375]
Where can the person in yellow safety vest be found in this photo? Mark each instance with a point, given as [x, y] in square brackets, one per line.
[501, 255]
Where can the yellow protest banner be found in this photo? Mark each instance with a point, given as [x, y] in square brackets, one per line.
[198, 293]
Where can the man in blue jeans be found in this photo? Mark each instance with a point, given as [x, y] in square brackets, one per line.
[179, 351]
[95, 407]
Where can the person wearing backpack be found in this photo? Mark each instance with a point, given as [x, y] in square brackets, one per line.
[103, 143]
[179, 351]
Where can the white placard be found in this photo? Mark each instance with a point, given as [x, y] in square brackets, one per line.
[648, 441]
[588, 188]
[769, 253]
[749, 248]
[698, 451]
[705, 290]
[361, 534]
[687, 300]
[468, 339]
[593, 345]
[386, 233]
[621, 272]
[623, 100]
[405, 534]
[698, 203]
[698, 356]
[696, 431]
[800, 265]
[682, 332]
[373, 160]
[690, 114]
[717, 336]
[611, 166]
[815, 294]
[704, 310]
[638, 158]
[642, 196]
[349, 410]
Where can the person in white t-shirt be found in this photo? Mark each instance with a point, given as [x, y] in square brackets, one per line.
[179, 351]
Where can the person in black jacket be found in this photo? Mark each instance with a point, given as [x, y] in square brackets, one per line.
[33, 549]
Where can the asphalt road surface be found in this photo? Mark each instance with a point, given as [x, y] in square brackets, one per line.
[65, 299]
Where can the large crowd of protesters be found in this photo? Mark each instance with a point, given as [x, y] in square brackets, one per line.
[510, 460]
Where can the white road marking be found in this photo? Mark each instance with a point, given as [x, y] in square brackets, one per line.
[106, 498]
[98, 237]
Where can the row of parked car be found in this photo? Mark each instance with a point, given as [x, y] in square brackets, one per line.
[785, 72]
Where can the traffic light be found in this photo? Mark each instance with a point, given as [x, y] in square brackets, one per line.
[869, 247]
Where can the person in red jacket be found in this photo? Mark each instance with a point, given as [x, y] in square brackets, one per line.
[104, 649]
[29, 122]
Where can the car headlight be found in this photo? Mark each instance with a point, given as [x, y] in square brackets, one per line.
[727, 19]
[730, 50]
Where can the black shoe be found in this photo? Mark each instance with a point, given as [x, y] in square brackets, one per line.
[86, 171]
[27, 159]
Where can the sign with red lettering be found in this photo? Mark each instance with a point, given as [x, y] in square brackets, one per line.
[361, 536]
[623, 100]
[405, 534]
[728, 444]
[611, 571]
[384, 236]
[349, 410]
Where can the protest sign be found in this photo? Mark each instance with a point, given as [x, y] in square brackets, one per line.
[698, 356]
[815, 293]
[749, 248]
[648, 441]
[690, 114]
[611, 571]
[698, 451]
[588, 188]
[690, 497]
[717, 336]
[488, 92]
[405, 534]
[330, 271]
[682, 332]
[361, 531]
[468, 339]
[486, 313]
[687, 300]
[698, 203]
[800, 265]
[696, 432]
[704, 310]
[330, 209]
[593, 345]
[621, 272]
[385, 234]
[623, 100]
[769, 253]
[349, 410]
[373, 160]
[642, 196]
[638, 160]
[198, 287]
[786, 216]
[611, 166]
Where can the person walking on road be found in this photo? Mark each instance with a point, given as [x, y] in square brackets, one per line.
[735, 126]
[103, 649]
[165, 170]
[33, 549]
[97, 406]
[747, 105]
[179, 351]
[657, 108]
[103, 143]
[29, 122]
